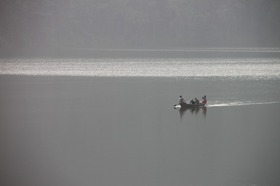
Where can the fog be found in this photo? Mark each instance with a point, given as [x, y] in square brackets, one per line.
[33, 27]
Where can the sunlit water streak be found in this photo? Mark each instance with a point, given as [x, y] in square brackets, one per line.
[257, 68]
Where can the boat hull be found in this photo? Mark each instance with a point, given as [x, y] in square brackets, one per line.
[186, 105]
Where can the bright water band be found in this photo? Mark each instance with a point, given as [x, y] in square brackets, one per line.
[244, 68]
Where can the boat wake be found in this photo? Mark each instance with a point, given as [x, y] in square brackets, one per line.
[230, 104]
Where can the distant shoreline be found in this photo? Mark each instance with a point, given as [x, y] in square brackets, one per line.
[72, 52]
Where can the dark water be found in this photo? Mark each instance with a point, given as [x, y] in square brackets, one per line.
[124, 131]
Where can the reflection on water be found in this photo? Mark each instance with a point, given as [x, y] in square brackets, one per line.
[253, 68]
[194, 111]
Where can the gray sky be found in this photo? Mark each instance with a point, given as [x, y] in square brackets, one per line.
[30, 25]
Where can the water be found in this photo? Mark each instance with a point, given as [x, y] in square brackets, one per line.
[106, 122]
[255, 68]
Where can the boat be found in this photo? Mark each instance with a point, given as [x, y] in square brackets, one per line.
[192, 104]
[189, 106]
[193, 108]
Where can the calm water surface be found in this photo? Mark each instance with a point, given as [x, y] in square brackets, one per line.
[67, 130]
[253, 68]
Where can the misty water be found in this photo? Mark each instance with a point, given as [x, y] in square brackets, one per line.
[69, 122]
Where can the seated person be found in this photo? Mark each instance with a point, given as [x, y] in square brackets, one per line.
[204, 100]
[192, 102]
[181, 100]
[196, 101]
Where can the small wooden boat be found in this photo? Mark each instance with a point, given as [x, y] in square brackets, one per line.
[189, 105]
[192, 105]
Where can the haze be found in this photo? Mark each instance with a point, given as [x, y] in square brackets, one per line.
[31, 26]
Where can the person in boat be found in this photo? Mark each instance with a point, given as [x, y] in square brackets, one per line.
[192, 102]
[204, 100]
[181, 100]
[196, 101]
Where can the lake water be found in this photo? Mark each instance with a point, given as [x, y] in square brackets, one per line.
[69, 122]
[253, 68]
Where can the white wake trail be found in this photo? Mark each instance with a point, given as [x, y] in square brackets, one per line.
[231, 104]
